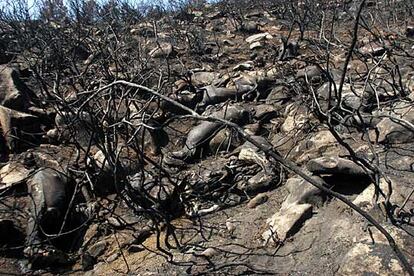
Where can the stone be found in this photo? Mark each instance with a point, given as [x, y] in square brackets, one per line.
[50, 191]
[265, 112]
[97, 249]
[205, 131]
[201, 79]
[209, 252]
[373, 49]
[20, 130]
[372, 254]
[222, 141]
[301, 192]
[14, 93]
[311, 73]
[250, 27]
[286, 222]
[244, 66]
[113, 257]
[77, 127]
[255, 45]
[335, 165]
[231, 226]
[11, 174]
[396, 131]
[258, 37]
[257, 200]
[320, 143]
[278, 95]
[288, 51]
[295, 119]
[164, 50]
[365, 199]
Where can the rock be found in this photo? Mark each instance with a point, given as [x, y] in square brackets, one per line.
[278, 95]
[286, 222]
[250, 27]
[222, 141]
[50, 191]
[76, 127]
[209, 252]
[311, 73]
[11, 174]
[255, 45]
[265, 112]
[244, 66]
[164, 50]
[296, 118]
[127, 159]
[396, 131]
[365, 199]
[201, 79]
[231, 226]
[97, 249]
[373, 49]
[372, 255]
[258, 37]
[14, 93]
[262, 181]
[20, 130]
[205, 131]
[113, 257]
[257, 200]
[322, 142]
[288, 51]
[302, 192]
[335, 165]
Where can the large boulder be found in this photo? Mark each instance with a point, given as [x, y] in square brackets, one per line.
[372, 254]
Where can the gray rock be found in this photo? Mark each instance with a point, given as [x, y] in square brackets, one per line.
[250, 27]
[77, 127]
[286, 222]
[302, 192]
[335, 165]
[372, 254]
[20, 130]
[258, 37]
[11, 174]
[97, 249]
[14, 93]
[164, 50]
[311, 73]
[257, 200]
[205, 131]
[209, 252]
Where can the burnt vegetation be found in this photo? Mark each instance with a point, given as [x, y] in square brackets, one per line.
[227, 137]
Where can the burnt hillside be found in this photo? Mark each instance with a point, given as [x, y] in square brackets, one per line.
[272, 137]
